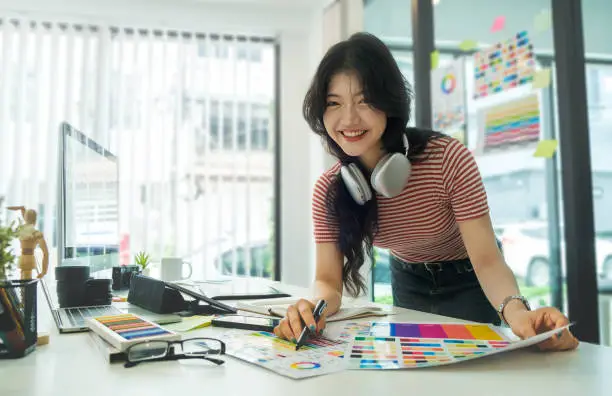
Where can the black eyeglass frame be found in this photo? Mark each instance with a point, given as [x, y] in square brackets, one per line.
[170, 355]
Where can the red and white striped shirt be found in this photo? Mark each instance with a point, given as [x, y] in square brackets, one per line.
[421, 223]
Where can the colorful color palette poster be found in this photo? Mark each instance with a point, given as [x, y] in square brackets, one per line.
[511, 123]
[318, 356]
[415, 345]
[448, 99]
[504, 66]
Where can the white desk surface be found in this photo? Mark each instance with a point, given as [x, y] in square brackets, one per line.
[69, 365]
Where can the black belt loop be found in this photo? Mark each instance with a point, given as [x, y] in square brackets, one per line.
[431, 267]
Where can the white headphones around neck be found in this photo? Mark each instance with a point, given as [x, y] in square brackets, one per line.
[389, 177]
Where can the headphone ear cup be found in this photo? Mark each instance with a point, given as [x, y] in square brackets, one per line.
[376, 171]
[356, 183]
[391, 175]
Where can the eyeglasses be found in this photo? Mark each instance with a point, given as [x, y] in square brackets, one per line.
[193, 348]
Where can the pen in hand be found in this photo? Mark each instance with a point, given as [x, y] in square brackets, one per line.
[316, 313]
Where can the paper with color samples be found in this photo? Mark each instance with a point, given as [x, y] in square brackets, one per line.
[415, 345]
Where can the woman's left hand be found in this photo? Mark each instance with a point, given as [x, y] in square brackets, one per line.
[526, 324]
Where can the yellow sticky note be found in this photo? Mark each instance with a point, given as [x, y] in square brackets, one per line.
[546, 148]
[192, 323]
[541, 79]
[542, 21]
[435, 57]
[468, 45]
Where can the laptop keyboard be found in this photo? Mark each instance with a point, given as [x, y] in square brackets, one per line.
[76, 316]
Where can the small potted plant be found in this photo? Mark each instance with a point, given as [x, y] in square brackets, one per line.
[7, 258]
[143, 260]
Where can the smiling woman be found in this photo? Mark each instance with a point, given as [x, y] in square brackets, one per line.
[359, 103]
[351, 121]
[415, 192]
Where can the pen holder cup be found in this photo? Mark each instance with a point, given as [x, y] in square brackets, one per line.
[18, 332]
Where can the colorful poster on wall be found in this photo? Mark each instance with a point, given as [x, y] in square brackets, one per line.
[512, 123]
[448, 99]
[504, 66]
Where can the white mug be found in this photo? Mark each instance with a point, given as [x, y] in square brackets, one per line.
[172, 269]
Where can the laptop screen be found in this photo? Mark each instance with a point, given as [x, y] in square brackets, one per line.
[88, 214]
[49, 292]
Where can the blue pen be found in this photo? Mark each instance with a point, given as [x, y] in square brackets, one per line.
[316, 313]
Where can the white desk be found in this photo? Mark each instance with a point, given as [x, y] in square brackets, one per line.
[70, 366]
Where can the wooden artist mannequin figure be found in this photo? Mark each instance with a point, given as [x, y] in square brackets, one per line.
[30, 237]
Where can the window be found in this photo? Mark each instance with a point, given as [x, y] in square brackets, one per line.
[189, 118]
[259, 127]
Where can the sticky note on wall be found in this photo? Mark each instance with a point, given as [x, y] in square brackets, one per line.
[435, 59]
[498, 24]
[468, 45]
[542, 21]
[541, 79]
[546, 148]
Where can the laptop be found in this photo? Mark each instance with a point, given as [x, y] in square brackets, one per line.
[73, 320]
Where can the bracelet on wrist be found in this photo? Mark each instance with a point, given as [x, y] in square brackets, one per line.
[507, 300]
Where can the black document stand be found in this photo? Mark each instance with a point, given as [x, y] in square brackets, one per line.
[167, 297]
[194, 307]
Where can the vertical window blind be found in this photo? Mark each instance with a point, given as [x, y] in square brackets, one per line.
[189, 115]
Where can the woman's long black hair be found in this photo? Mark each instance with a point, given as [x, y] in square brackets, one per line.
[384, 88]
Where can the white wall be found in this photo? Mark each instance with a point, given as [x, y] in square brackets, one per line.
[298, 28]
[296, 239]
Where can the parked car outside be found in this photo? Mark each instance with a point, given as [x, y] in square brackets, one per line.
[526, 249]
[261, 260]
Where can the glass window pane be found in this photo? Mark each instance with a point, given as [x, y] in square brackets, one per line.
[510, 172]
[596, 17]
[190, 186]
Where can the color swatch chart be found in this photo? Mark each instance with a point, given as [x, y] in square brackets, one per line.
[513, 122]
[504, 66]
[402, 352]
[436, 330]
[412, 345]
[354, 329]
[317, 357]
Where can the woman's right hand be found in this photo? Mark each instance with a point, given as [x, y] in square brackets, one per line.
[290, 327]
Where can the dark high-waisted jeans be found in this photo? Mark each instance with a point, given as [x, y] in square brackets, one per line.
[448, 288]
